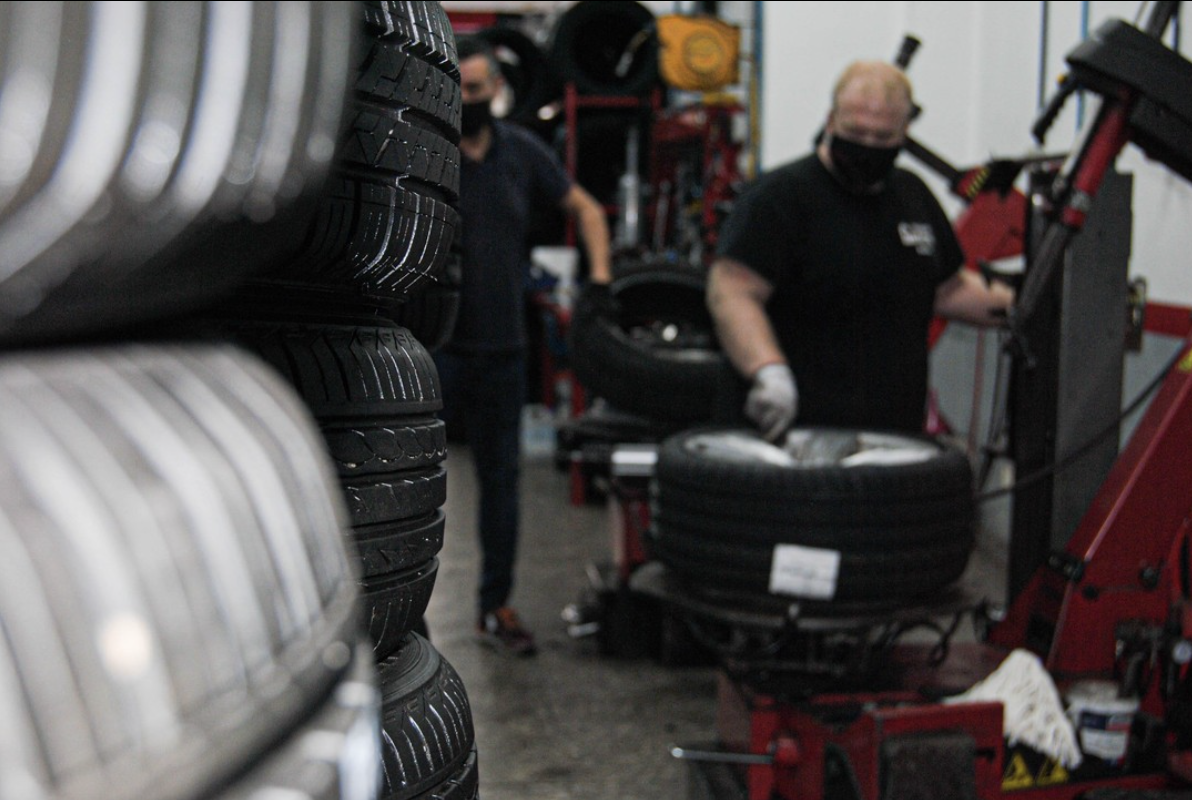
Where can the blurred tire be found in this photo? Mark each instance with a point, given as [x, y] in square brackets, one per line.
[659, 357]
[523, 66]
[155, 155]
[896, 510]
[175, 588]
[374, 391]
[428, 741]
[606, 48]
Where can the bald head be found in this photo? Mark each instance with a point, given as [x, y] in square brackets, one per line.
[874, 84]
[871, 105]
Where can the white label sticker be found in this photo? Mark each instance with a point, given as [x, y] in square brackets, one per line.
[804, 571]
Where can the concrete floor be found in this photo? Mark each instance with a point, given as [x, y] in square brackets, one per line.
[570, 723]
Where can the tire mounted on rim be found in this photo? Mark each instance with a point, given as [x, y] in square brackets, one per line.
[893, 512]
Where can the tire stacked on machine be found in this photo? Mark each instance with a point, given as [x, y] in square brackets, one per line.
[895, 512]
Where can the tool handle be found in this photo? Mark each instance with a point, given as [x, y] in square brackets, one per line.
[712, 755]
[1052, 110]
[906, 52]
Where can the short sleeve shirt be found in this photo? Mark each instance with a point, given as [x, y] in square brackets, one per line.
[500, 197]
[854, 280]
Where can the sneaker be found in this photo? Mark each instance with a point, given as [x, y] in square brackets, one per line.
[503, 630]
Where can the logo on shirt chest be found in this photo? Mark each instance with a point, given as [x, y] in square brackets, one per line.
[918, 235]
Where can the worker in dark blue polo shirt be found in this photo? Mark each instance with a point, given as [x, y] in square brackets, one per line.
[507, 177]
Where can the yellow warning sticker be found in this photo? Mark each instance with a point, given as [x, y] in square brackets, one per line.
[1052, 773]
[1017, 776]
[1185, 364]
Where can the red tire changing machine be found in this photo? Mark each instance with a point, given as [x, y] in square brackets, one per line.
[1111, 600]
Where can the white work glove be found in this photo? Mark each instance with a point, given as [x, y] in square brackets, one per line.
[773, 400]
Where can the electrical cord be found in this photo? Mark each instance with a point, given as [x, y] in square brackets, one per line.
[1096, 439]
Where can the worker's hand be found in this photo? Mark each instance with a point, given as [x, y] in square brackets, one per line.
[600, 300]
[773, 400]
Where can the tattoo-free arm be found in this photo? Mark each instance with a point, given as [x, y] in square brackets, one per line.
[593, 230]
[965, 297]
[736, 297]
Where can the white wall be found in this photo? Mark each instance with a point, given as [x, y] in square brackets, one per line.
[977, 76]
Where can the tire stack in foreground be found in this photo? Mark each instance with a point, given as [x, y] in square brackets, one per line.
[177, 593]
[381, 248]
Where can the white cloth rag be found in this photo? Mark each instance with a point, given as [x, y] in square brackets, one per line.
[1033, 711]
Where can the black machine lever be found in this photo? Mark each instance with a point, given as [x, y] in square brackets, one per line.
[1047, 116]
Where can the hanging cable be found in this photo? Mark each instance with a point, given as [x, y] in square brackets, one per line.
[1093, 441]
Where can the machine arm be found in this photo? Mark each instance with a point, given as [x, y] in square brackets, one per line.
[1096, 66]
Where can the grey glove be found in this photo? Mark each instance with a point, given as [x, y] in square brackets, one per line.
[773, 400]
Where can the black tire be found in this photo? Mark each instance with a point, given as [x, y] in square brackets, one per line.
[431, 313]
[523, 66]
[394, 603]
[378, 446]
[171, 156]
[427, 738]
[724, 500]
[660, 357]
[422, 25]
[174, 582]
[362, 375]
[372, 390]
[384, 549]
[591, 43]
[463, 785]
[396, 497]
[386, 223]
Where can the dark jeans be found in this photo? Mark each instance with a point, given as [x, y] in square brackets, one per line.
[485, 393]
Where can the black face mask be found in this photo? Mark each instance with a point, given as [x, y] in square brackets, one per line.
[861, 168]
[474, 116]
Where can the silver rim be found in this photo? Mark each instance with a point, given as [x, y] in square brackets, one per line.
[813, 448]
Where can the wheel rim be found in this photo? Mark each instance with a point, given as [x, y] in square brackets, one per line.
[809, 448]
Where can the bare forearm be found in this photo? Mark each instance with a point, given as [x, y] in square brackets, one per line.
[593, 231]
[967, 298]
[736, 300]
[595, 234]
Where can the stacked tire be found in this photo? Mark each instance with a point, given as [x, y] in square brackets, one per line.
[178, 594]
[382, 250]
[222, 505]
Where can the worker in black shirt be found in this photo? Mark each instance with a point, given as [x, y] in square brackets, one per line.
[508, 177]
[830, 268]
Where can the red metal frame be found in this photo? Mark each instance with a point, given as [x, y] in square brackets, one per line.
[706, 129]
[992, 227]
[1129, 546]
[797, 735]
[632, 518]
[1167, 319]
[573, 101]
[1126, 548]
